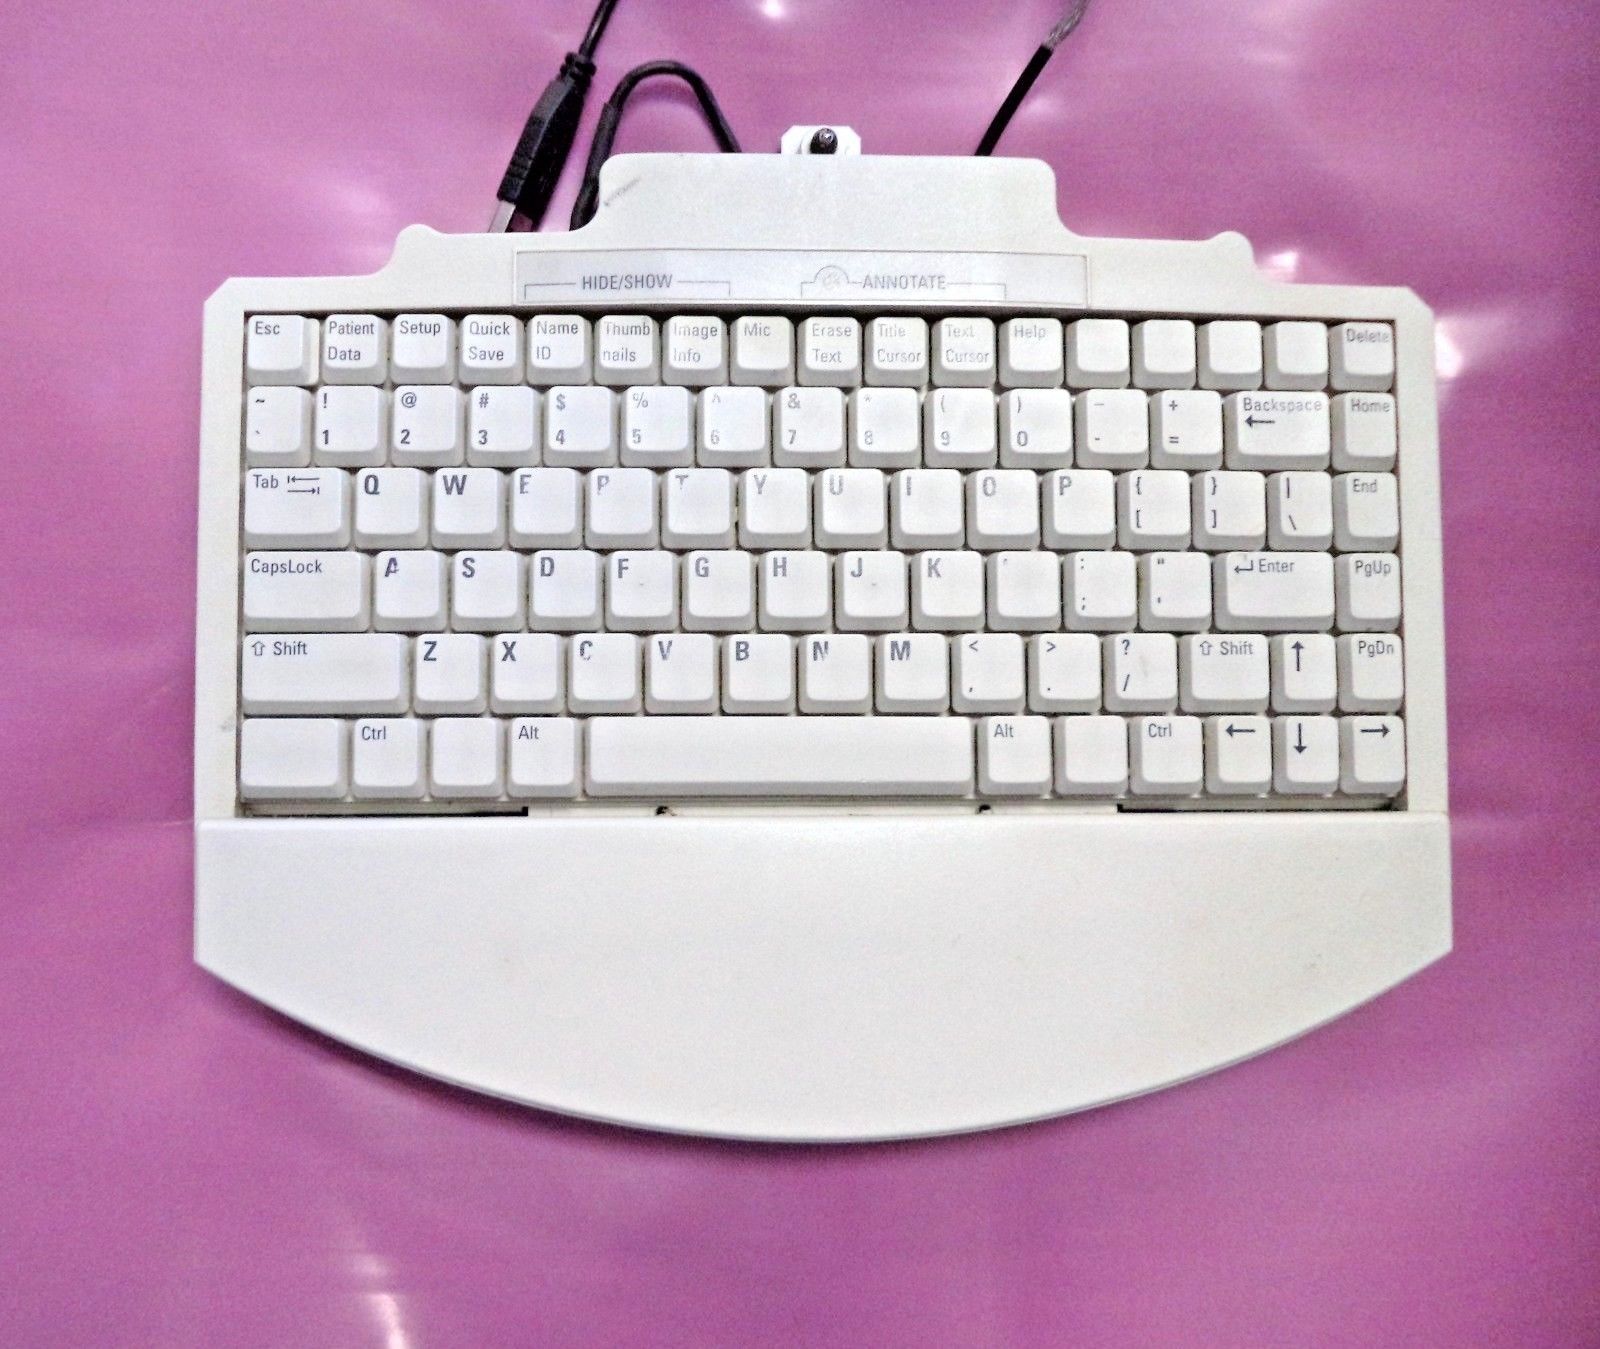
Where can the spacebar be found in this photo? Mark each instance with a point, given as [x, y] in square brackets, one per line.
[780, 756]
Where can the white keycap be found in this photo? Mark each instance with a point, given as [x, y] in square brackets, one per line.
[502, 426]
[1112, 429]
[1238, 756]
[1366, 512]
[1032, 353]
[1372, 756]
[1080, 509]
[620, 508]
[795, 592]
[642, 591]
[897, 351]
[808, 428]
[963, 352]
[780, 756]
[851, 508]
[1186, 429]
[989, 673]
[1097, 354]
[469, 509]
[305, 592]
[422, 349]
[959, 428]
[558, 349]
[408, 591]
[526, 673]
[486, 592]
[328, 673]
[604, 673]
[1101, 592]
[697, 508]
[870, 592]
[580, 426]
[1230, 511]
[1064, 672]
[543, 757]
[927, 509]
[1014, 756]
[1228, 353]
[658, 427]
[546, 508]
[1168, 756]
[1361, 356]
[680, 673]
[1372, 676]
[828, 351]
[913, 672]
[1003, 509]
[947, 591]
[425, 426]
[296, 508]
[885, 428]
[1303, 673]
[1224, 674]
[354, 349]
[735, 427]
[763, 351]
[1024, 591]
[1296, 355]
[758, 674]
[694, 351]
[1164, 354]
[719, 592]
[1273, 592]
[774, 508]
[449, 674]
[1153, 510]
[1276, 430]
[280, 349]
[1175, 592]
[1091, 756]
[299, 759]
[387, 758]
[277, 428]
[1305, 752]
[352, 426]
[1299, 511]
[564, 591]
[1036, 428]
[1364, 435]
[836, 673]
[466, 758]
[1141, 672]
[1369, 592]
[491, 349]
[625, 350]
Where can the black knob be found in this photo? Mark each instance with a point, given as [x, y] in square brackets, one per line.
[824, 141]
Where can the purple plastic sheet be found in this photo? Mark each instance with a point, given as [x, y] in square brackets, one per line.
[179, 1167]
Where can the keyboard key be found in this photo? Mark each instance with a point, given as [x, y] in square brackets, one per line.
[469, 509]
[354, 349]
[913, 672]
[1091, 756]
[1101, 592]
[328, 673]
[780, 756]
[1271, 431]
[1238, 756]
[735, 427]
[543, 755]
[1174, 592]
[1064, 672]
[558, 349]
[1024, 591]
[1003, 509]
[580, 427]
[758, 674]
[564, 591]
[1305, 752]
[870, 592]
[466, 757]
[1361, 356]
[1141, 673]
[851, 509]
[503, 427]
[1366, 512]
[305, 592]
[1167, 756]
[1372, 755]
[829, 352]
[387, 759]
[897, 351]
[1097, 354]
[1080, 509]
[491, 349]
[1369, 592]
[1112, 429]
[947, 591]
[604, 673]
[1273, 592]
[1224, 674]
[1372, 676]
[1229, 354]
[625, 350]
[1014, 756]
[280, 349]
[808, 428]
[621, 508]
[989, 673]
[1296, 355]
[680, 672]
[422, 349]
[763, 351]
[642, 591]
[1303, 673]
[1032, 353]
[774, 509]
[1364, 436]
[486, 591]
[1153, 510]
[546, 508]
[425, 426]
[927, 509]
[959, 428]
[352, 427]
[836, 673]
[1230, 511]
[885, 428]
[277, 428]
[526, 674]
[1164, 354]
[658, 427]
[795, 592]
[1299, 511]
[963, 352]
[1036, 428]
[695, 351]
[1186, 429]
[450, 673]
[408, 591]
[719, 592]
[296, 508]
[697, 508]
[301, 759]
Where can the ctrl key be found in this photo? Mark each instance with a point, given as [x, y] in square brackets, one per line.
[293, 759]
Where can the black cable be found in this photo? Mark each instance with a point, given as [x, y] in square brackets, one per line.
[605, 130]
[1030, 72]
[597, 29]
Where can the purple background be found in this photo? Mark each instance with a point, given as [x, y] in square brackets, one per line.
[178, 1167]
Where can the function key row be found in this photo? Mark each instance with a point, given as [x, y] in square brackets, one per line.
[703, 350]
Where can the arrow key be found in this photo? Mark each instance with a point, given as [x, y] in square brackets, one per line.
[1238, 756]
[1374, 753]
[1305, 752]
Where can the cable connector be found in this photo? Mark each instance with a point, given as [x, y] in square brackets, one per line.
[542, 149]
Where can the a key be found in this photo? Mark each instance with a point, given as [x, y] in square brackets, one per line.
[795, 592]
[989, 673]
[305, 592]
[1372, 755]
[1305, 752]
[1296, 355]
[658, 427]
[296, 508]
[422, 349]
[502, 427]
[468, 508]
[604, 673]
[354, 349]
[1303, 672]
[680, 673]
[1299, 511]
[1064, 672]
[642, 591]
[1366, 512]
[947, 591]
[466, 758]
[558, 349]
[1361, 356]
[836, 673]
[828, 352]
[1091, 756]
[959, 428]
[851, 509]
[1153, 510]
[1164, 354]
[1230, 511]
[897, 351]
[1224, 674]
[425, 426]
[1273, 592]
[546, 508]
[449, 674]
[694, 351]
[758, 674]
[277, 428]
[697, 508]
[1186, 429]
[1080, 509]
[927, 509]
[774, 508]
[1003, 509]
[526, 673]
[1097, 354]
[1141, 672]
[543, 757]
[1036, 428]
[885, 428]
[763, 351]
[719, 592]
[1112, 429]
[564, 591]
[1024, 591]
[621, 508]
[580, 427]
[1368, 586]
[1032, 353]
[963, 352]
[1101, 592]
[1364, 434]
[808, 428]
[323, 673]
[408, 591]
[1014, 756]
[1167, 756]
[1228, 353]
[625, 350]
[1276, 430]
[387, 759]
[293, 759]
[491, 349]
[1372, 675]
[280, 349]
[871, 591]
[1238, 756]
[734, 427]
[1174, 592]
[913, 672]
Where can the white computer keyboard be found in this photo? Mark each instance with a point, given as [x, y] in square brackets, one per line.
[592, 530]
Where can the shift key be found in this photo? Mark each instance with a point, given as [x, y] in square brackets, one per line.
[322, 672]
[1273, 592]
